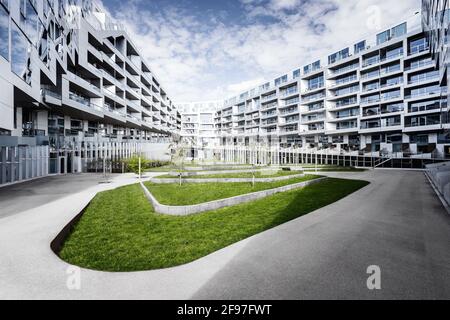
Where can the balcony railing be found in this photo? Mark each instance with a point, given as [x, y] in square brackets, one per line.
[84, 101]
[418, 49]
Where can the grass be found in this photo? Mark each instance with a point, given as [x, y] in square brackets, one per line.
[189, 193]
[258, 174]
[120, 231]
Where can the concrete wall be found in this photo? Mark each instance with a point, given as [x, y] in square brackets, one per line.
[439, 175]
[217, 204]
[223, 180]
[157, 151]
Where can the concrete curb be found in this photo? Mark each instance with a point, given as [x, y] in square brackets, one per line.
[223, 180]
[203, 168]
[217, 204]
[441, 197]
[204, 173]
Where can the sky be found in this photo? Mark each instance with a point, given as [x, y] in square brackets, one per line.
[214, 49]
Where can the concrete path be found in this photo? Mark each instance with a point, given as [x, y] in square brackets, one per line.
[396, 223]
[20, 197]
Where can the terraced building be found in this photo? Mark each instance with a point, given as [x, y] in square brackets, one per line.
[74, 89]
[380, 96]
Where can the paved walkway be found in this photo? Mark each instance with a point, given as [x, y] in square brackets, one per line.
[396, 222]
[20, 197]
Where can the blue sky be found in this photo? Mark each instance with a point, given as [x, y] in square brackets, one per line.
[213, 49]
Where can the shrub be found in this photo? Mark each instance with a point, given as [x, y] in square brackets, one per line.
[132, 164]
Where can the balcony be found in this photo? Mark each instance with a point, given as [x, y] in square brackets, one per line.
[84, 101]
[289, 92]
[343, 70]
[377, 60]
[413, 50]
[344, 81]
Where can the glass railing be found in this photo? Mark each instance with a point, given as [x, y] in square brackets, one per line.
[345, 103]
[419, 64]
[418, 49]
[425, 78]
[51, 93]
[345, 69]
[313, 97]
[370, 125]
[315, 86]
[289, 92]
[369, 100]
[265, 98]
[345, 127]
[84, 101]
[345, 91]
[344, 81]
[423, 92]
[390, 70]
[391, 84]
[371, 61]
[425, 106]
[390, 96]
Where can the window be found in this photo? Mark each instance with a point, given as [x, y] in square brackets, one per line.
[338, 56]
[360, 46]
[5, 3]
[383, 37]
[280, 80]
[20, 54]
[395, 32]
[296, 74]
[315, 83]
[418, 45]
[311, 67]
[399, 30]
[4, 33]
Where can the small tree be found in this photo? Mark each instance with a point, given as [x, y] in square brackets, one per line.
[178, 153]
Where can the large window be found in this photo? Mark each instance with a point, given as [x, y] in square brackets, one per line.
[360, 46]
[311, 67]
[399, 30]
[30, 21]
[5, 3]
[338, 56]
[4, 33]
[281, 80]
[395, 32]
[20, 54]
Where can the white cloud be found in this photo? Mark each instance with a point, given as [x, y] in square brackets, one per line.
[195, 60]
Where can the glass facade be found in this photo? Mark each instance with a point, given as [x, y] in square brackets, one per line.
[360, 46]
[395, 32]
[20, 54]
[4, 33]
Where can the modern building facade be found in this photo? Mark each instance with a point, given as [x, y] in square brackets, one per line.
[379, 96]
[198, 127]
[74, 89]
[436, 24]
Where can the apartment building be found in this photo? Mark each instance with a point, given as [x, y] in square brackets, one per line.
[197, 126]
[74, 89]
[379, 96]
[436, 24]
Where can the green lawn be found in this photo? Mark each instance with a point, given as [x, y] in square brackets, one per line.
[190, 193]
[120, 231]
[258, 174]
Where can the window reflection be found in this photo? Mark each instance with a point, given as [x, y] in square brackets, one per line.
[20, 54]
[4, 33]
